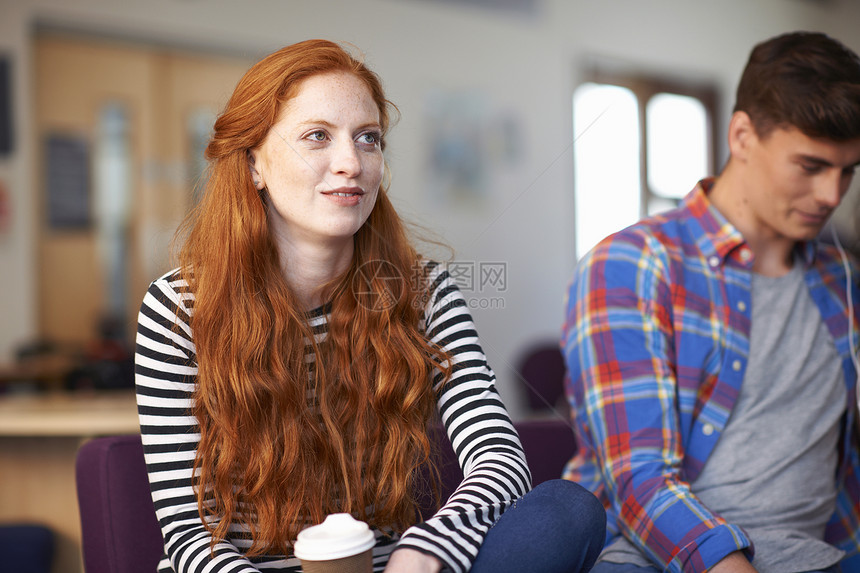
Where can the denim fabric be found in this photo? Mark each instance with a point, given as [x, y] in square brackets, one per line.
[558, 527]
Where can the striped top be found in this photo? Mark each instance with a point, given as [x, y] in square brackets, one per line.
[486, 444]
[656, 340]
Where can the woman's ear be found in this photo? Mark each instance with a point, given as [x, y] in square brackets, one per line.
[256, 177]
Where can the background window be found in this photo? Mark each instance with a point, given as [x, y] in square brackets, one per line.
[677, 146]
[640, 145]
[606, 159]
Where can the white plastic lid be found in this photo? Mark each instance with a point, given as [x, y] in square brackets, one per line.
[339, 536]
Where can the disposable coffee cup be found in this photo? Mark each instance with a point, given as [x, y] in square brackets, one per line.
[340, 544]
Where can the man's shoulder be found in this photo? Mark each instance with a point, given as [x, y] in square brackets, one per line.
[663, 233]
[832, 265]
[828, 255]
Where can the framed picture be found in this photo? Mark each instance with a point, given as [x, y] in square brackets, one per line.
[67, 180]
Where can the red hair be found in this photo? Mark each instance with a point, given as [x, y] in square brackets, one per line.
[269, 458]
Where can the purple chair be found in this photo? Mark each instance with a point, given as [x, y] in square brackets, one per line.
[119, 528]
[548, 444]
[542, 371]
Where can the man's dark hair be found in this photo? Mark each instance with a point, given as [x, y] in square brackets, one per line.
[806, 80]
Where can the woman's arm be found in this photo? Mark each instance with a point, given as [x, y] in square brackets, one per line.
[165, 376]
[407, 560]
[483, 437]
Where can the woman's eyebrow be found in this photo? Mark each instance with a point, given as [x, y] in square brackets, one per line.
[329, 125]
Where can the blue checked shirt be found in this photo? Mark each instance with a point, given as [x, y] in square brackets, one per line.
[656, 342]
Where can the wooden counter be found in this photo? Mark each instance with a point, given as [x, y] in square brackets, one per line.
[39, 438]
[71, 414]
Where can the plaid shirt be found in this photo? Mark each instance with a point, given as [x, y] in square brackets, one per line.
[656, 342]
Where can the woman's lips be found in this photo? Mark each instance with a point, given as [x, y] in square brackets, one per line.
[345, 196]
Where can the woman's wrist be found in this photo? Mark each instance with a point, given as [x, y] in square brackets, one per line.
[411, 560]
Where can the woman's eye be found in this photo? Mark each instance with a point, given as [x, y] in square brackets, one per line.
[318, 135]
[369, 138]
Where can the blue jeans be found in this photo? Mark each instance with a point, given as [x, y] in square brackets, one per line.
[606, 567]
[558, 527]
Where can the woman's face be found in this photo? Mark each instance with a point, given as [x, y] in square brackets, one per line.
[321, 162]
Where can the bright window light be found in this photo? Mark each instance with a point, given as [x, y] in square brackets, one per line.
[606, 162]
[677, 135]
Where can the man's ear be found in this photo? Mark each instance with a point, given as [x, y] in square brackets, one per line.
[256, 176]
[742, 135]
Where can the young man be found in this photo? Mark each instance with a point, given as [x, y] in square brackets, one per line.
[710, 348]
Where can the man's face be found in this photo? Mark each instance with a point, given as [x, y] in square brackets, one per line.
[794, 182]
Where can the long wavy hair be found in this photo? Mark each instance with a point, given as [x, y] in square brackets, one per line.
[284, 440]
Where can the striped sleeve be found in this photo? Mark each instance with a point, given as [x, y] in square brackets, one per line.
[165, 375]
[484, 440]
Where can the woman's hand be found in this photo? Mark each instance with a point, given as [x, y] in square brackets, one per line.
[409, 560]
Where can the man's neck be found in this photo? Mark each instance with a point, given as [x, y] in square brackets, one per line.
[773, 254]
[771, 262]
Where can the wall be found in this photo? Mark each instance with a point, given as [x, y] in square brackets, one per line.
[18, 290]
[519, 64]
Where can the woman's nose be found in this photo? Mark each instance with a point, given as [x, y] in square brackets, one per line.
[345, 160]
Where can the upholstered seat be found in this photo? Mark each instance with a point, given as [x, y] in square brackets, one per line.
[120, 530]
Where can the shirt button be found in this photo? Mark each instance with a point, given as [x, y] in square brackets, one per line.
[746, 255]
[736, 365]
[708, 429]
[714, 261]
[742, 306]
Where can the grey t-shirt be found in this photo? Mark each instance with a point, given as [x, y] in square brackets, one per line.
[773, 469]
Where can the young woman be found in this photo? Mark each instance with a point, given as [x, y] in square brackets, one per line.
[291, 366]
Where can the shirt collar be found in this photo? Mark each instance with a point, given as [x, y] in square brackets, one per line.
[719, 237]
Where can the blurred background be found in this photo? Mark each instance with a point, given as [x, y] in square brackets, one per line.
[529, 129]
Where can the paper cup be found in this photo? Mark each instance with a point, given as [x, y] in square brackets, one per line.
[340, 544]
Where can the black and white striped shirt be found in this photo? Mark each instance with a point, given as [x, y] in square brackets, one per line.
[471, 410]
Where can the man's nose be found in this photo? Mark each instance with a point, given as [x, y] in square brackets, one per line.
[830, 190]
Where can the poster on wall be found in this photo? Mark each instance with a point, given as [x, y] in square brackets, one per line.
[67, 181]
[472, 146]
